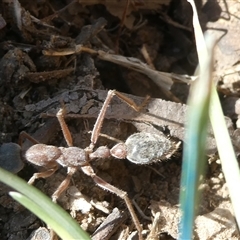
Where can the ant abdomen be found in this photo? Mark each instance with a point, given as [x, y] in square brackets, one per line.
[145, 148]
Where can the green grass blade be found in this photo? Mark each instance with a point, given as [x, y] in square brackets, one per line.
[226, 152]
[194, 158]
[52, 214]
[194, 152]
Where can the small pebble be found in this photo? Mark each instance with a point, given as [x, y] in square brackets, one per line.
[10, 157]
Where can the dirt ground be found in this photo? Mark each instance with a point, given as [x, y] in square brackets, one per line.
[72, 52]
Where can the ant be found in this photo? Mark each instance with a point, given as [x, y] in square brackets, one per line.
[140, 148]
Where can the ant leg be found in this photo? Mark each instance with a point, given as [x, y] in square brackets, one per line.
[65, 130]
[65, 183]
[68, 137]
[131, 103]
[23, 135]
[88, 170]
[98, 124]
[108, 137]
[45, 174]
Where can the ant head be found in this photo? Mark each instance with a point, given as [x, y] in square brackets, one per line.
[43, 155]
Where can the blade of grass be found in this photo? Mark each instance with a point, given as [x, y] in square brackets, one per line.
[44, 215]
[194, 152]
[194, 158]
[226, 152]
[228, 160]
[52, 214]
